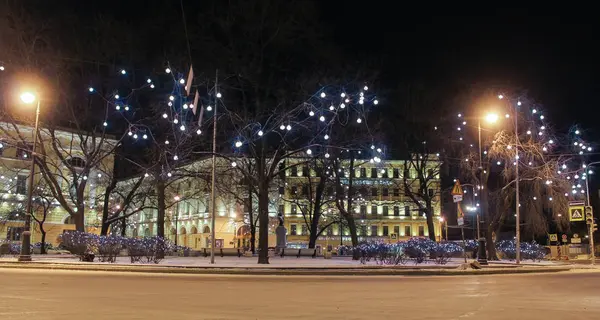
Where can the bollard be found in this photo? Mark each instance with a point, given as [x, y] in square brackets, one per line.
[482, 253]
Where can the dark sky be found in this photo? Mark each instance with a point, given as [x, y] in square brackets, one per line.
[553, 57]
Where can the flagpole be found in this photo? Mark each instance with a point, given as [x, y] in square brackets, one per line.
[214, 160]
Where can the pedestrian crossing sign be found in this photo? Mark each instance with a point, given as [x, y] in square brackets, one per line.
[457, 189]
[576, 213]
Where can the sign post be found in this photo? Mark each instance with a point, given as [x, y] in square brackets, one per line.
[457, 196]
[589, 219]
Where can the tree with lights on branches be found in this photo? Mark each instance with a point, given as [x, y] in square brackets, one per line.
[546, 163]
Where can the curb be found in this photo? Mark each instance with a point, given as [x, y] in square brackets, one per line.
[281, 271]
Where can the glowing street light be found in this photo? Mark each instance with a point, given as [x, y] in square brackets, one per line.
[491, 118]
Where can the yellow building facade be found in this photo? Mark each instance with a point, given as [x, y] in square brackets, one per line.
[382, 210]
[15, 164]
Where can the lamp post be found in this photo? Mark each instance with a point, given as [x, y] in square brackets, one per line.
[490, 118]
[589, 203]
[29, 98]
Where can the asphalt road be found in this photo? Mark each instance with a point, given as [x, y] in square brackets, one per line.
[40, 294]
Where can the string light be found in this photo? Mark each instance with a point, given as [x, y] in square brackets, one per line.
[117, 96]
[311, 113]
[90, 89]
[322, 118]
[123, 71]
[198, 132]
[282, 127]
[166, 141]
[105, 124]
[219, 95]
[165, 115]
[308, 151]
[175, 121]
[376, 102]
[171, 98]
[209, 108]
[145, 136]
[233, 164]
[182, 81]
[288, 127]
[238, 144]
[260, 133]
[149, 80]
[359, 120]
[168, 70]
[175, 158]
[182, 128]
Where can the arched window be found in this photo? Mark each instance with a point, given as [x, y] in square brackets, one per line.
[206, 229]
[194, 230]
[147, 232]
[76, 162]
[182, 231]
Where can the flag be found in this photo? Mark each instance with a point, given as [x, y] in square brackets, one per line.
[188, 83]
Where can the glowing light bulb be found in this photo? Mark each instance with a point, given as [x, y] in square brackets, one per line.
[326, 137]
[518, 103]
[323, 95]
[576, 131]
[105, 124]
[500, 97]
[376, 102]
[260, 133]
[308, 151]
[185, 106]
[322, 118]
[379, 150]
[534, 111]
[175, 157]
[311, 113]
[551, 141]
[331, 108]
[126, 108]
[123, 71]
[342, 106]
[152, 86]
[117, 96]
[166, 141]
[181, 81]
[145, 136]
[171, 98]
[327, 155]
[282, 127]
[149, 80]
[90, 89]
[343, 94]
[118, 107]
[528, 131]
[182, 128]
[288, 127]
[366, 88]
[169, 174]
[238, 144]
[347, 100]
[359, 120]
[175, 121]
[168, 70]
[542, 117]
[234, 164]
[130, 133]
[165, 115]
[198, 132]
[219, 95]
[146, 175]
[507, 115]
[135, 136]
[209, 108]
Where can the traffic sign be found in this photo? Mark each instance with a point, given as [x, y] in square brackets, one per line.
[457, 189]
[576, 213]
[553, 237]
[457, 198]
[461, 221]
[575, 240]
[393, 236]
[564, 238]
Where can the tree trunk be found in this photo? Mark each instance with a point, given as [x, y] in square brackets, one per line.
[429, 216]
[263, 224]
[79, 221]
[160, 219]
[353, 236]
[251, 218]
[43, 241]
[485, 213]
[314, 231]
[105, 209]
[123, 226]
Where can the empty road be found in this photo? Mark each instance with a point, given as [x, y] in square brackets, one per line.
[40, 294]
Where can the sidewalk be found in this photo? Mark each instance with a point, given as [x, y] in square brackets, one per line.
[280, 266]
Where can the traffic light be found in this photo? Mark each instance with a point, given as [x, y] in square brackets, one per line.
[589, 215]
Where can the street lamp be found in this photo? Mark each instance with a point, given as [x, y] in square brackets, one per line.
[29, 98]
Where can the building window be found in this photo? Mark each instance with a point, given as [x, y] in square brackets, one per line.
[21, 187]
[363, 172]
[282, 171]
[305, 171]
[385, 211]
[407, 211]
[363, 211]
[385, 192]
[407, 191]
[281, 208]
[14, 233]
[206, 208]
[24, 151]
[430, 192]
[406, 174]
[294, 209]
[384, 173]
[293, 229]
[363, 230]
[396, 173]
[407, 231]
[386, 231]
[373, 231]
[396, 211]
[304, 190]
[373, 209]
[397, 230]
[373, 172]
[329, 231]
[294, 190]
[396, 192]
[303, 209]
[304, 230]
[294, 172]
[430, 173]
[281, 190]
[374, 192]
[421, 231]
